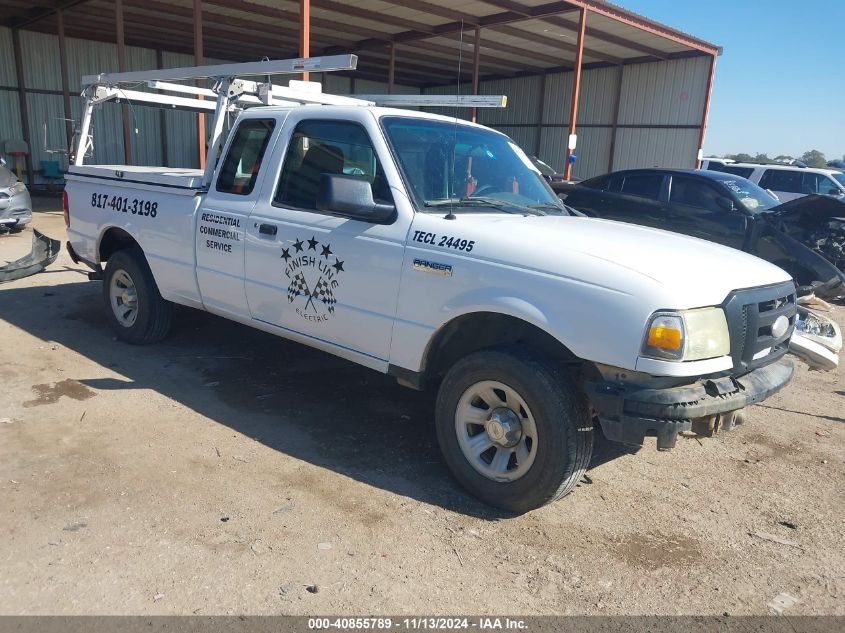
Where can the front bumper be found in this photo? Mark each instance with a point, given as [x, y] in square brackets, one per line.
[630, 413]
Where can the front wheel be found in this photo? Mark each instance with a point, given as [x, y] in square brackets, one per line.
[515, 430]
[134, 307]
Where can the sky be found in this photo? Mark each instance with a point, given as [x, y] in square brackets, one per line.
[780, 81]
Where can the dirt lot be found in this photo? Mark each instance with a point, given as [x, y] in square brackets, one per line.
[227, 471]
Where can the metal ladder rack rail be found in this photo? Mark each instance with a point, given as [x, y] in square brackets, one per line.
[233, 93]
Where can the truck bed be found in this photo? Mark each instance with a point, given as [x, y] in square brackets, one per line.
[141, 175]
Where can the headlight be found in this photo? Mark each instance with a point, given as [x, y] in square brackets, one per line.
[17, 188]
[687, 335]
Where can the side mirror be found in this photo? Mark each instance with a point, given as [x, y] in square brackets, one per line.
[725, 203]
[834, 192]
[352, 197]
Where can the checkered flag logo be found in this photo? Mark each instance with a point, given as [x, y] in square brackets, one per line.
[298, 287]
[323, 292]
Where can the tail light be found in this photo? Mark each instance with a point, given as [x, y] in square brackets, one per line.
[66, 209]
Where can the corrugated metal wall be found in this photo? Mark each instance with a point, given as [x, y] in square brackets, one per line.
[658, 120]
[659, 114]
[42, 77]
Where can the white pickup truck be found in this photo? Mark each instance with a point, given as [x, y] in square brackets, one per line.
[433, 250]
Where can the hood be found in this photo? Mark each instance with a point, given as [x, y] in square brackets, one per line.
[690, 272]
[813, 209]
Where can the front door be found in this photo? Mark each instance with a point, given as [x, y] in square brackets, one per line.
[334, 279]
[694, 209]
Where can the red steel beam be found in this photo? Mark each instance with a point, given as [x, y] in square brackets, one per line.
[644, 24]
[576, 88]
[199, 57]
[16, 48]
[121, 66]
[476, 64]
[391, 69]
[706, 112]
[305, 32]
[60, 28]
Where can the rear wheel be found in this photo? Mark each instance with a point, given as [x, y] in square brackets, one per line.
[134, 306]
[515, 430]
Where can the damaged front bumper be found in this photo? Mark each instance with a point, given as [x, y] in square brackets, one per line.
[44, 252]
[629, 413]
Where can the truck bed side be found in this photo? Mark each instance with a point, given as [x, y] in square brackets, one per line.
[155, 206]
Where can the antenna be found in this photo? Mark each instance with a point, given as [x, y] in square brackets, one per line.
[451, 214]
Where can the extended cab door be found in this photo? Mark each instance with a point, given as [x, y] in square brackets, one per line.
[328, 277]
[222, 217]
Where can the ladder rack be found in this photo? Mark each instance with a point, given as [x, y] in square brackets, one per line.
[235, 89]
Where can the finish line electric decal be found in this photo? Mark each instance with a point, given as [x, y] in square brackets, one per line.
[313, 278]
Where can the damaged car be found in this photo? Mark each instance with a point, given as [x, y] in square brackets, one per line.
[804, 237]
[15, 203]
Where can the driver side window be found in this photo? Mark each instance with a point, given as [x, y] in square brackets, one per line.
[692, 193]
[320, 147]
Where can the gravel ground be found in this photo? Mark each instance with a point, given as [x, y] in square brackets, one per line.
[228, 471]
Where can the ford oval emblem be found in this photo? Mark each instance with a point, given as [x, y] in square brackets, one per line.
[780, 326]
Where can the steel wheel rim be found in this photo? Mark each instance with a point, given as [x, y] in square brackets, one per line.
[123, 298]
[477, 407]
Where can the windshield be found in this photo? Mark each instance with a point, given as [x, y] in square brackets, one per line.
[839, 177]
[752, 197]
[467, 169]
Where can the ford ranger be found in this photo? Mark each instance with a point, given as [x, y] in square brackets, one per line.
[433, 250]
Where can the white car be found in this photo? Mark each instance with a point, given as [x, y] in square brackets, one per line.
[433, 250]
[788, 182]
[715, 164]
[15, 203]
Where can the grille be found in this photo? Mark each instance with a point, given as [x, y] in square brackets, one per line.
[751, 315]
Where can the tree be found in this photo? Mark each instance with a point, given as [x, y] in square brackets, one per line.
[762, 158]
[814, 158]
[741, 157]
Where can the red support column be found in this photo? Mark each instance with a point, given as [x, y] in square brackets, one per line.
[305, 32]
[199, 60]
[391, 69]
[121, 66]
[60, 24]
[25, 132]
[576, 87]
[476, 62]
[706, 112]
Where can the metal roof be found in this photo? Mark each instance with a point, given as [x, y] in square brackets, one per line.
[518, 37]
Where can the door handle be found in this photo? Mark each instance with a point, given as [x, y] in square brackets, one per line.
[268, 229]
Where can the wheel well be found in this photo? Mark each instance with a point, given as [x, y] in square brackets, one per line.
[484, 330]
[115, 240]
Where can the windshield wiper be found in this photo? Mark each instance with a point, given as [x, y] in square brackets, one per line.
[550, 206]
[499, 205]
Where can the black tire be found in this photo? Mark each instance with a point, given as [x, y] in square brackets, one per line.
[153, 318]
[561, 414]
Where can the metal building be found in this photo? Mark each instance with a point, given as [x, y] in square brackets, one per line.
[633, 92]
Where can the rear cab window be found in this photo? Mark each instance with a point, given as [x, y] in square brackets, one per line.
[246, 153]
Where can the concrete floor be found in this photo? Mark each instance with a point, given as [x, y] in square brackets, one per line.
[227, 471]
